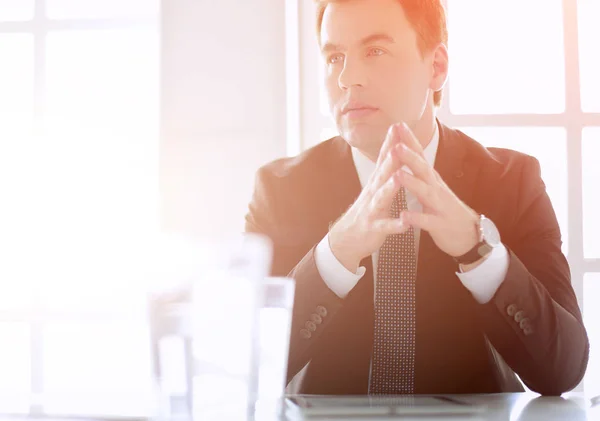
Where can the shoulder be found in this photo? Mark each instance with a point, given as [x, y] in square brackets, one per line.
[495, 162]
[308, 165]
[504, 182]
[290, 193]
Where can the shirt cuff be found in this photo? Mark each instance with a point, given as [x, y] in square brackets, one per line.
[484, 280]
[335, 275]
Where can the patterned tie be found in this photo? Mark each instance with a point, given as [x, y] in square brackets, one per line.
[393, 365]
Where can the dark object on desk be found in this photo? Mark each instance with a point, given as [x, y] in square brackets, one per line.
[306, 407]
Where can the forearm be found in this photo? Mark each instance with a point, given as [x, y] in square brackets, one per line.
[542, 342]
[315, 305]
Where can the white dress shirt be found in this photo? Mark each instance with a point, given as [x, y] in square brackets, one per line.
[482, 281]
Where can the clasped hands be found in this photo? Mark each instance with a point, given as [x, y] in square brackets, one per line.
[363, 228]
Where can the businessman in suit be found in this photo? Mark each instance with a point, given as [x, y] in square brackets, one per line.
[424, 262]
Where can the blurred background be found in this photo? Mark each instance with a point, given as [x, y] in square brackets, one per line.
[120, 119]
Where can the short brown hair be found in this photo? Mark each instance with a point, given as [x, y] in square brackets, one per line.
[427, 17]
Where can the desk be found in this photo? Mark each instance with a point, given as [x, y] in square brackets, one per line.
[524, 407]
[500, 407]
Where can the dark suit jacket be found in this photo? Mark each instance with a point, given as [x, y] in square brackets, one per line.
[461, 346]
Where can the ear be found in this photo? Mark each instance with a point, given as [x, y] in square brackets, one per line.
[439, 68]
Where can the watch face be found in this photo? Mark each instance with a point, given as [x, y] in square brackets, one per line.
[490, 232]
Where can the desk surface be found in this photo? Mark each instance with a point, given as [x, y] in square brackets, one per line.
[528, 407]
[499, 407]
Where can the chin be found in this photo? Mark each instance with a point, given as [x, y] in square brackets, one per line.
[364, 137]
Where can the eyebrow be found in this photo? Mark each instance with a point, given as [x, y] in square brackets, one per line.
[378, 37]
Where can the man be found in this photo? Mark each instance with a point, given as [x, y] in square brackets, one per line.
[424, 262]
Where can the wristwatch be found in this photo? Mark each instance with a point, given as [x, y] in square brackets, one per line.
[489, 237]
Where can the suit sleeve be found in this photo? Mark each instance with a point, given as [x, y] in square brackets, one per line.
[534, 320]
[315, 305]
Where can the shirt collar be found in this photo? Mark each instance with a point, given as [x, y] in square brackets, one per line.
[365, 167]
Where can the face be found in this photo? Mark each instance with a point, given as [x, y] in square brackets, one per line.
[375, 74]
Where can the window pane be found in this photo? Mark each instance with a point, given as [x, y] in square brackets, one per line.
[15, 358]
[77, 9]
[15, 290]
[506, 57]
[100, 167]
[15, 366]
[16, 10]
[591, 193]
[104, 80]
[85, 283]
[102, 148]
[591, 318]
[16, 85]
[97, 368]
[589, 33]
[17, 169]
[548, 145]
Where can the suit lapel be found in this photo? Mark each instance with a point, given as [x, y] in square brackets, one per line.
[438, 290]
[341, 187]
[450, 163]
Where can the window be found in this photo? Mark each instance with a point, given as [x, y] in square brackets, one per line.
[79, 92]
[508, 64]
[521, 90]
[589, 67]
[591, 193]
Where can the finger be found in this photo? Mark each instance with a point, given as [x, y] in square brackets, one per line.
[384, 196]
[417, 164]
[391, 139]
[390, 226]
[424, 221]
[382, 173]
[409, 139]
[423, 191]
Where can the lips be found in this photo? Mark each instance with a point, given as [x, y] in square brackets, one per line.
[357, 109]
[359, 113]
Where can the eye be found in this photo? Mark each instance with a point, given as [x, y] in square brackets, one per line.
[375, 51]
[335, 58]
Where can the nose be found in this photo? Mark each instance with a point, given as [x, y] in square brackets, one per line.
[352, 75]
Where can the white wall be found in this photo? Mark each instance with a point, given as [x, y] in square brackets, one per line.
[223, 108]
